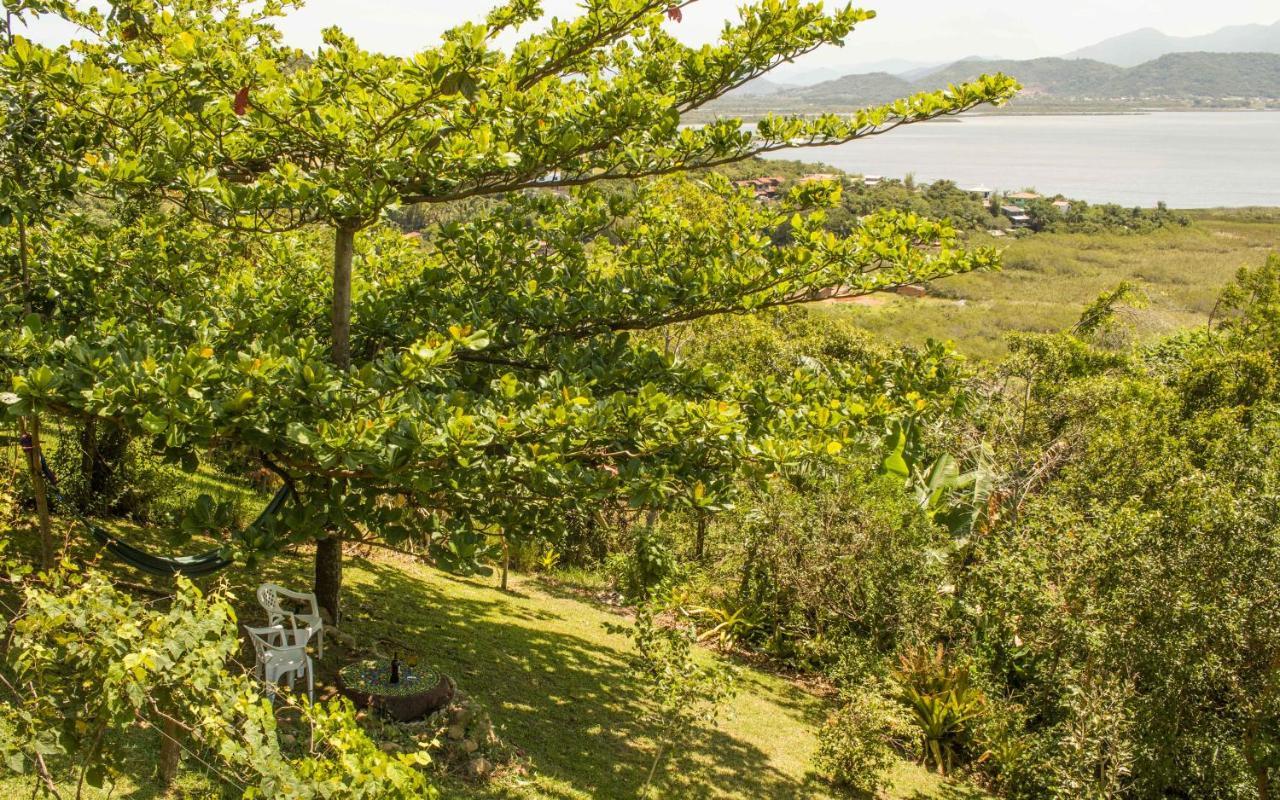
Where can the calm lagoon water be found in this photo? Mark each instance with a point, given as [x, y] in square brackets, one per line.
[1187, 159]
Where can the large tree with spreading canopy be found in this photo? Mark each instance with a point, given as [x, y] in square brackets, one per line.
[490, 378]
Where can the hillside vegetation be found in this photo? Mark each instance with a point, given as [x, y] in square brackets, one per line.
[575, 447]
[1048, 277]
[1174, 80]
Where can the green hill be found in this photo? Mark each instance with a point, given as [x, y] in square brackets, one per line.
[1177, 75]
[874, 87]
[1201, 75]
[1040, 76]
[1177, 80]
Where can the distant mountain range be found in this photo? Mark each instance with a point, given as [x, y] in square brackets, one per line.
[1172, 80]
[1147, 44]
[1127, 50]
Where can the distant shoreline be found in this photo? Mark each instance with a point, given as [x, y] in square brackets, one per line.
[752, 117]
[1106, 112]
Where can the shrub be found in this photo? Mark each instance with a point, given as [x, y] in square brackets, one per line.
[167, 670]
[859, 742]
[832, 562]
[687, 693]
[650, 562]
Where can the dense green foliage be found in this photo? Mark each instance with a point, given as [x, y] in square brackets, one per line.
[1082, 217]
[1099, 576]
[1053, 574]
[489, 380]
[204, 272]
[87, 667]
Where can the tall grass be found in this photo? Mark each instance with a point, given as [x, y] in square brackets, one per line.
[1049, 278]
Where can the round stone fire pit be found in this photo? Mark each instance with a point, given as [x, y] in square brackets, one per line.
[419, 692]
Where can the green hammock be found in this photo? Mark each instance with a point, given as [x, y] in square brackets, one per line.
[192, 566]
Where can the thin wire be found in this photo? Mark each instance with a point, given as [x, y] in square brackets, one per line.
[242, 787]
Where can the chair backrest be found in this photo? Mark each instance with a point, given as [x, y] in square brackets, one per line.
[271, 647]
[286, 659]
[265, 639]
[269, 599]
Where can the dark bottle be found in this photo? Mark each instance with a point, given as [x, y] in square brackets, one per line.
[395, 669]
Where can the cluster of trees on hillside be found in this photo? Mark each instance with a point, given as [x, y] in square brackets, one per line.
[1058, 580]
[966, 210]
[200, 265]
[1082, 217]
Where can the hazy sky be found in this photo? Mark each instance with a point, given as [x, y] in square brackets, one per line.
[929, 31]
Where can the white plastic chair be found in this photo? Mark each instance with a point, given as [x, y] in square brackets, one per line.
[277, 659]
[269, 597]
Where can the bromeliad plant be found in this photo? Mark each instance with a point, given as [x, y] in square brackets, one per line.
[942, 702]
[729, 625]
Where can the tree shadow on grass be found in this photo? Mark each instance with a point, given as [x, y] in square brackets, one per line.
[573, 704]
[570, 699]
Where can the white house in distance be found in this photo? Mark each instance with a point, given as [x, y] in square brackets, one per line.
[979, 193]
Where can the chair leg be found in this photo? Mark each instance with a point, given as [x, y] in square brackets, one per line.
[311, 681]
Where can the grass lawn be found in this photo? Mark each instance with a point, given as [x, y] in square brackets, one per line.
[1049, 278]
[556, 682]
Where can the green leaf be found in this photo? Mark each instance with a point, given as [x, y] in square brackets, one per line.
[895, 464]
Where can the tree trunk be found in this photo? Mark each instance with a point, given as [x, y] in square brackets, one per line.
[328, 584]
[328, 575]
[34, 460]
[506, 560]
[700, 538]
[170, 753]
[42, 497]
[343, 251]
[24, 264]
[1261, 772]
[88, 461]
